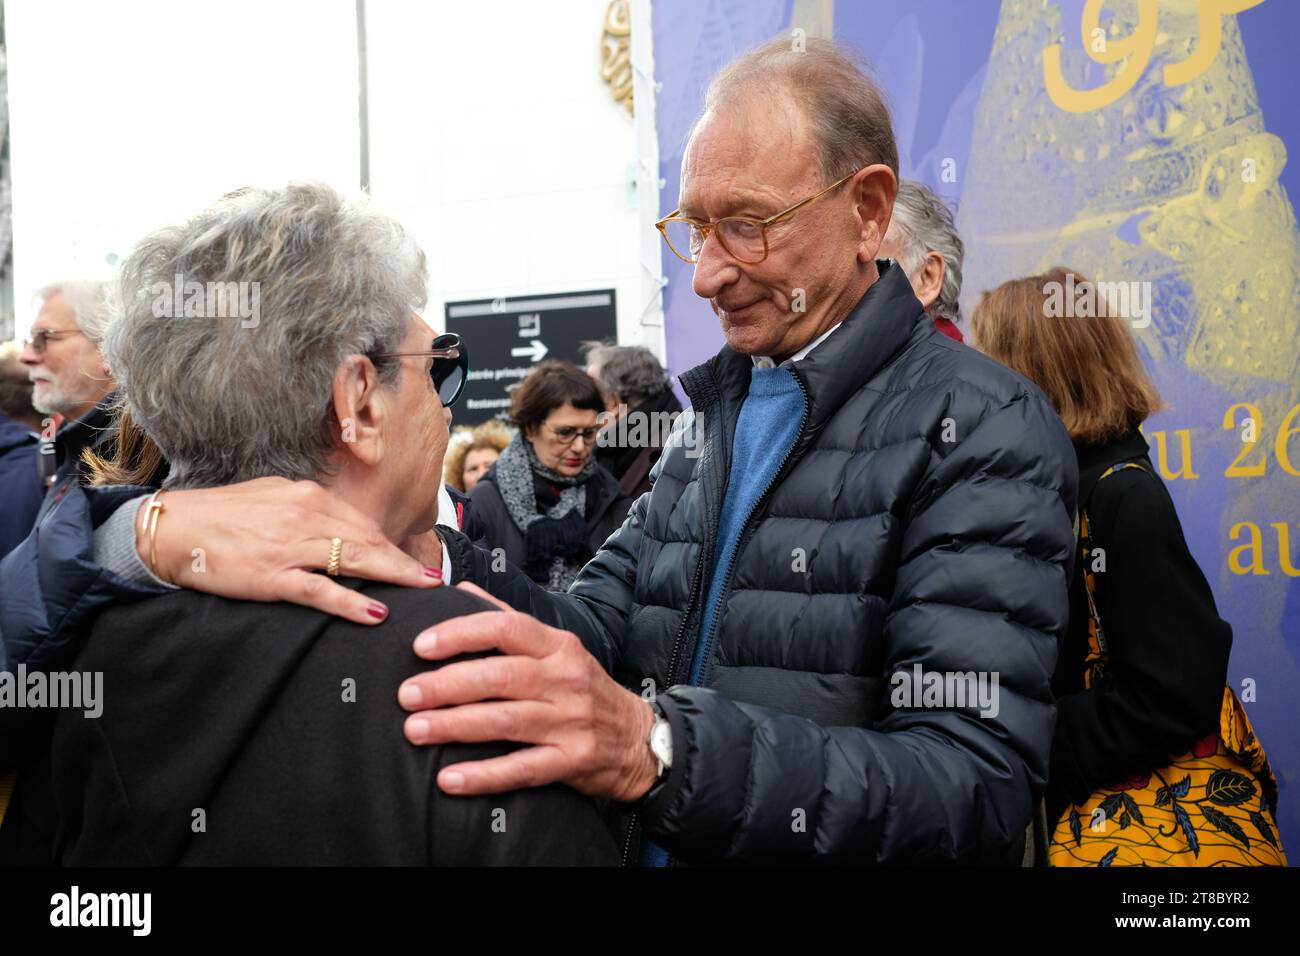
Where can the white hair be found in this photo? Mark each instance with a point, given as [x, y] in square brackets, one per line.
[924, 224]
[88, 300]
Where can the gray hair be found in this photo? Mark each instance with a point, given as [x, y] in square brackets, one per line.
[846, 107]
[225, 402]
[88, 300]
[596, 351]
[924, 224]
[632, 372]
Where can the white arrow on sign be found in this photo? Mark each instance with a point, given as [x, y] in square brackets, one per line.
[536, 348]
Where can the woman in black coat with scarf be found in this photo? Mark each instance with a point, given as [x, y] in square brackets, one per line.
[1153, 759]
[546, 502]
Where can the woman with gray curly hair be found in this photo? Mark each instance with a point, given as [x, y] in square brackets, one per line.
[277, 334]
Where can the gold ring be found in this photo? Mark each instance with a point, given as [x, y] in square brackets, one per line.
[336, 554]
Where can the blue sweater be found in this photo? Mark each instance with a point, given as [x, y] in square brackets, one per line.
[765, 431]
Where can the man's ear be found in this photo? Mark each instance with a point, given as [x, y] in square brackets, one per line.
[928, 280]
[359, 409]
[874, 189]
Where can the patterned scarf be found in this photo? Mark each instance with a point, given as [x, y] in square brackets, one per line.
[557, 540]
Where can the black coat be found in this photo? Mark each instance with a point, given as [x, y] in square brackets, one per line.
[238, 709]
[60, 461]
[606, 508]
[924, 515]
[1168, 647]
[20, 484]
[631, 465]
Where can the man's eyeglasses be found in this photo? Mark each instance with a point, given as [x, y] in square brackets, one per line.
[567, 434]
[744, 238]
[450, 368]
[38, 340]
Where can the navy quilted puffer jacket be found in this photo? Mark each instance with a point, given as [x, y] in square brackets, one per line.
[923, 516]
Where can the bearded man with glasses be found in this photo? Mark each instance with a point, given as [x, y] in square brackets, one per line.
[70, 379]
[747, 667]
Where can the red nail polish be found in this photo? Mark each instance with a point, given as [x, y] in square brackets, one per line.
[433, 573]
[377, 611]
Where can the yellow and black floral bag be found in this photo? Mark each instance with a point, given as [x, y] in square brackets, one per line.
[1213, 806]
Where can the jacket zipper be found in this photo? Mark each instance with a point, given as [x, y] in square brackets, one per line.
[706, 557]
[633, 822]
[745, 530]
[678, 643]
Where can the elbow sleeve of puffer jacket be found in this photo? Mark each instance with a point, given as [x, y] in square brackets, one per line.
[980, 590]
[51, 586]
[595, 608]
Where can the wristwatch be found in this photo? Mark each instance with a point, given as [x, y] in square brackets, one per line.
[661, 740]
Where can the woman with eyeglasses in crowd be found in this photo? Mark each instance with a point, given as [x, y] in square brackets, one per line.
[547, 502]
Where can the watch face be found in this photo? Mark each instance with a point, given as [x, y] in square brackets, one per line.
[661, 742]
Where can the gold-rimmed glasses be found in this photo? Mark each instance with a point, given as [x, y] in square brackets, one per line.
[743, 237]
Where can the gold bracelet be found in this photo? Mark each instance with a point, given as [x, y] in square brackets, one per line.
[153, 508]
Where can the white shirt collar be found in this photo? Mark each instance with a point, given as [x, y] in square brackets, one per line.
[446, 518]
[763, 361]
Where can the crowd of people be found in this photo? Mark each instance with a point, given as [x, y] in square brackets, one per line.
[332, 630]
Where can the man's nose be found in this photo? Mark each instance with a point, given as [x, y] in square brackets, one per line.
[29, 355]
[714, 270]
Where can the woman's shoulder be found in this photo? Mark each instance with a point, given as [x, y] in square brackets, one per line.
[1128, 479]
[417, 604]
[611, 492]
[486, 486]
[487, 503]
[487, 493]
[1131, 501]
[183, 619]
[383, 652]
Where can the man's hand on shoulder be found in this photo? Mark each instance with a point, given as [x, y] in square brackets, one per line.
[544, 689]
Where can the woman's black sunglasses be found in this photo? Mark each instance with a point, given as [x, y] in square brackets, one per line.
[450, 369]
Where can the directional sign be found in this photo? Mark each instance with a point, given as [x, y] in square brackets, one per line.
[506, 338]
[535, 350]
